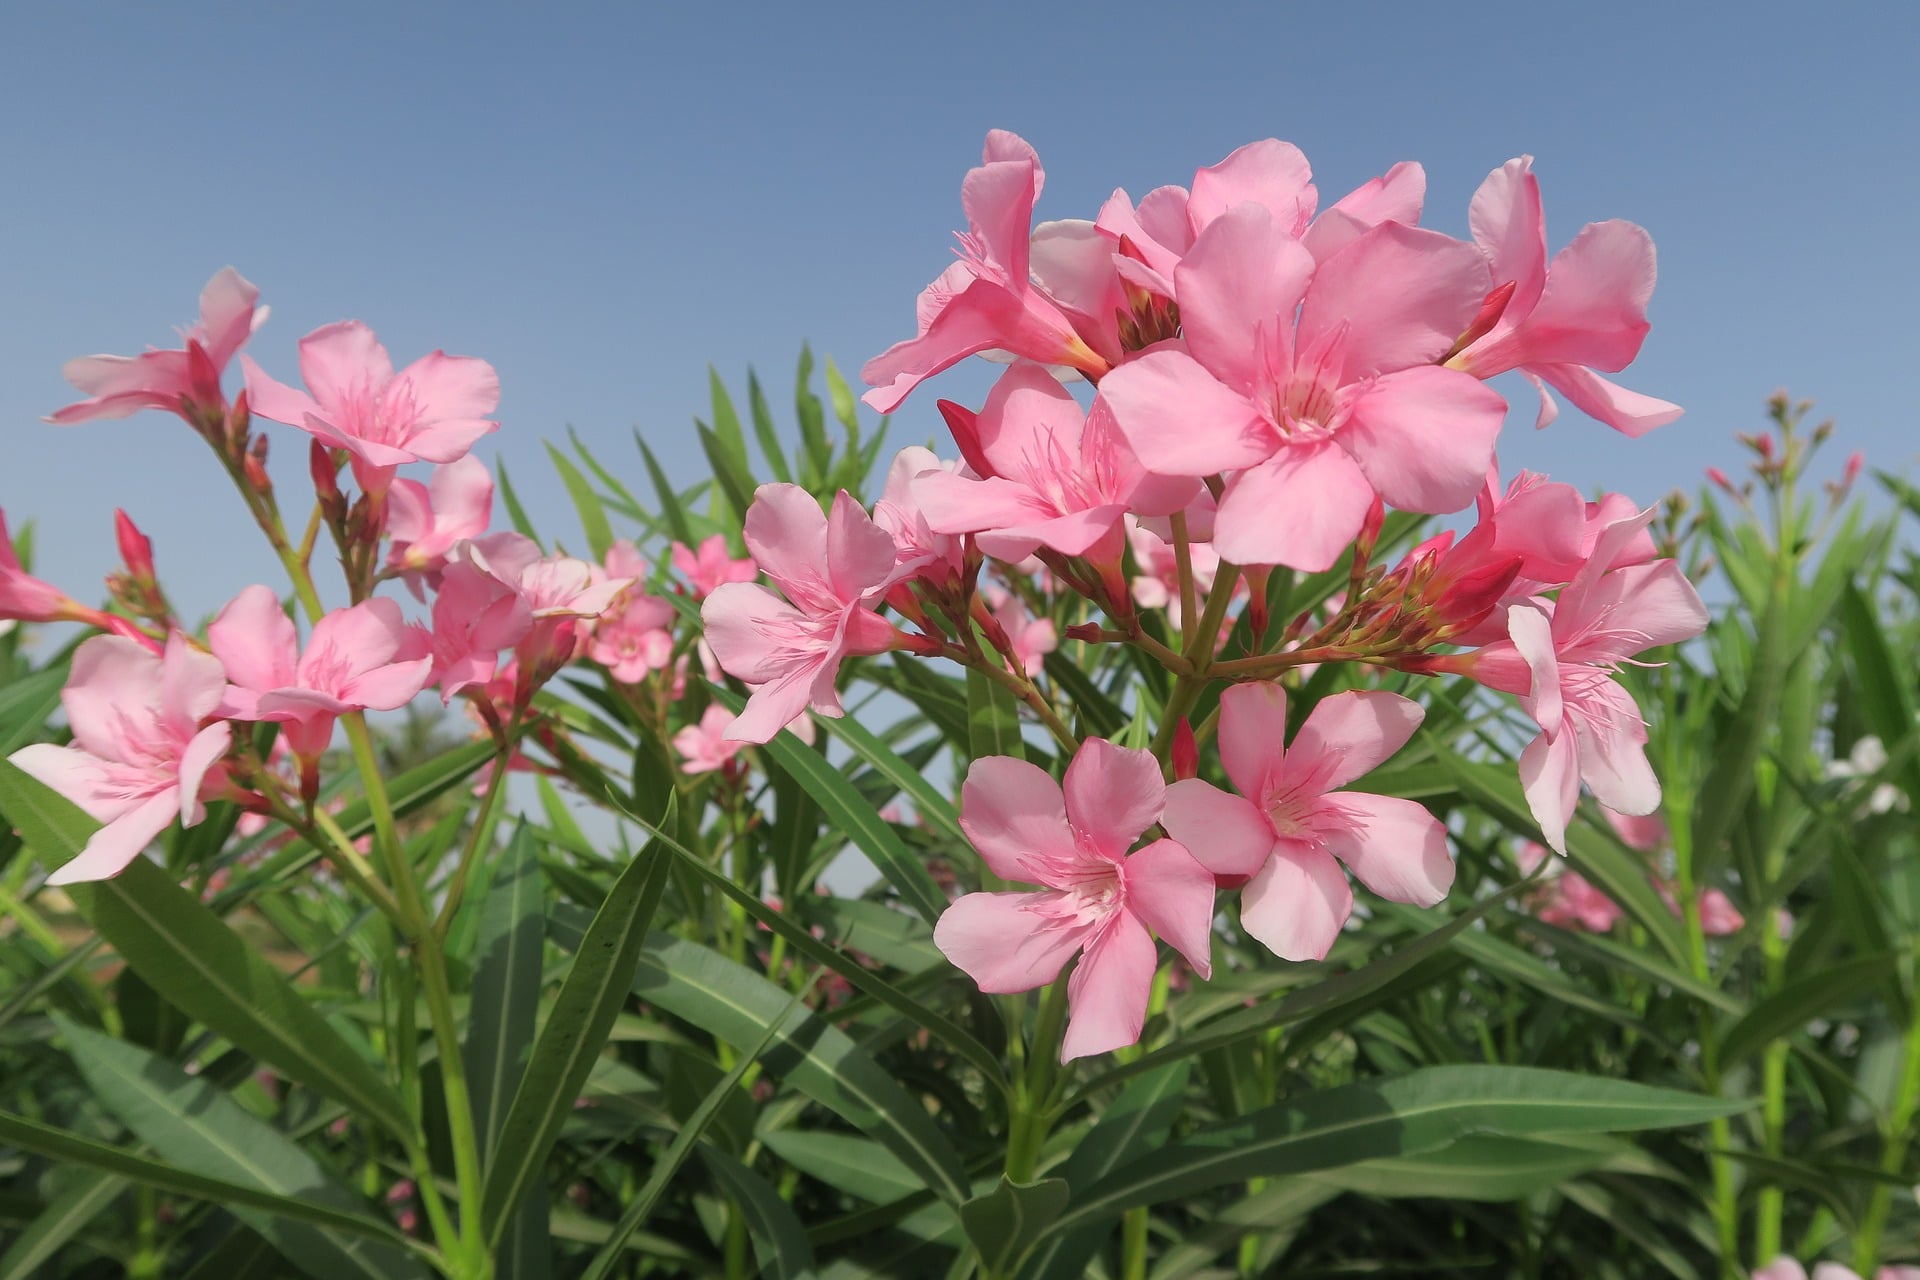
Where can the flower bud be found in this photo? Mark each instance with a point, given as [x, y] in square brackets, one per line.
[1186, 752]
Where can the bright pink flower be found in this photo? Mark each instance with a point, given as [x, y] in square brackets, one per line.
[431, 411]
[366, 658]
[1099, 901]
[563, 597]
[831, 569]
[1291, 827]
[635, 639]
[144, 751]
[705, 747]
[1560, 666]
[1718, 916]
[118, 386]
[475, 616]
[1060, 478]
[1567, 899]
[1316, 386]
[426, 520]
[986, 301]
[1585, 310]
[712, 565]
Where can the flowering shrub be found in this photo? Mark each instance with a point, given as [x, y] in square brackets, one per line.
[1165, 613]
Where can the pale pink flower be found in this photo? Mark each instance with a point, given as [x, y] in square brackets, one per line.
[1561, 666]
[1031, 638]
[1098, 902]
[552, 586]
[1315, 385]
[988, 300]
[1585, 310]
[705, 747]
[710, 566]
[832, 569]
[145, 747]
[366, 658]
[1785, 1268]
[25, 598]
[1567, 899]
[117, 386]
[1157, 585]
[1060, 477]
[1718, 916]
[1646, 832]
[1291, 827]
[426, 520]
[431, 411]
[935, 556]
[475, 616]
[637, 637]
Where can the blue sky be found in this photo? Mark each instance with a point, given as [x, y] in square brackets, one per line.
[601, 200]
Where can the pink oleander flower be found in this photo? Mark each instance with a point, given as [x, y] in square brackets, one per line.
[25, 598]
[710, 566]
[1031, 638]
[425, 521]
[1291, 826]
[1718, 916]
[475, 616]
[1060, 477]
[1098, 902]
[832, 569]
[1785, 1268]
[1645, 832]
[938, 557]
[1315, 385]
[145, 747]
[988, 300]
[1561, 666]
[366, 658]
[1157, 585]
[705, 747]
[564, 598]
[181, 381]
[1585, 310]
[431, 411]
[634, 638]
[1567, 899]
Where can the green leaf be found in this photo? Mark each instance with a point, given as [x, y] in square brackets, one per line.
[507, 979]
[671, 509]
[928, 800]
[993, 718]
[190, 956]
[737, 1005]
[202, 1130]
[1102, 716]
[1823, 993]
[58, 1144]
[575, 1031]
[779, 1241]
[1134, 1124]
[726, 423]
[25, 705]
[593, 514]
[816, 449]
[852, 816]
[1480, 1167]
[1421, 1111]
[1009, 1220]
[858, 1166]
[735, 481]
[765, 432]
[511, 500]
[84, 1202]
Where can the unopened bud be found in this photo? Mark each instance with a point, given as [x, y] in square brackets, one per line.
[964, 423]
[1085, 632]
[255, 467]
[136, 549]
[1185, 756]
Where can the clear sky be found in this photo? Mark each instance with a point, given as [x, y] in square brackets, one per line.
[602, 199]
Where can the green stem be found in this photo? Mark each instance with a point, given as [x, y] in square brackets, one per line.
[1183, 568]
[1893, 1155]
[1133, 1244]
[1199, 655]
[1027, 1132]
[1770, 1205]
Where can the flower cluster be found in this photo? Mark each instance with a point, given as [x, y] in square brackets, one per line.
[1267, 377]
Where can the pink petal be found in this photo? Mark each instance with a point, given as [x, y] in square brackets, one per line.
[390, 687]
[1347, 736]
[1593, 310]
[1253, 734]
[786, 533]
[448, 387]
[1395, 196]
[1403, 293]
[1015, 815]
[1628, 412]
[81, 777]
[774, 705]
[255, 640]
[1302, 508]
[1612, 741]
[1172, 893]
[114, 683]
[1395, 847]
[1240, 284]
[956, 504]
[1112, 794]
[1180, 421]
[1508, 225]
[1424, 437]
[1615, 615]
[1029, 418]
[1298, 903]
[445, 441]
[227, 314]
[860, 554]
[752, 631]
[1008, 942]
[114, 846]
[1227, 834]
[998, 198]
[205, 751]
[1271, 173]
[1533, 640]
[1074, 533]
[341, 363]
[274, 400]
[1550, 776]
[1108, 992]
[191, 683]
